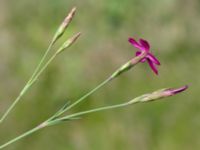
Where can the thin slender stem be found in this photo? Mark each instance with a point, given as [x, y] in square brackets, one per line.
[52, 120]
[94, 110]
[27, 85]
[131, 63]
[41, 61]
[34, 79]
[42, 69]
[86, 95]
[59, 112]
[22, 136]
[56, 121]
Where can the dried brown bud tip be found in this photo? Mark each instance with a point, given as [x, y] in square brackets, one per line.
[64, 25]
[68, 19]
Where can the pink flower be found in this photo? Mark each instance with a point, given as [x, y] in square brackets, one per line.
[143, 45]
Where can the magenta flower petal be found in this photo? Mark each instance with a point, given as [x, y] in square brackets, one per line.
[134, 43]
[138, 53]
[144, 44]
[153, 58]
[153, 68]
[175, 91]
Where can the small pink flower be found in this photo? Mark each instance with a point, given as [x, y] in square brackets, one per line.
[143, 45]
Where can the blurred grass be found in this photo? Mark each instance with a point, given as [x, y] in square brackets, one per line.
[171, 26]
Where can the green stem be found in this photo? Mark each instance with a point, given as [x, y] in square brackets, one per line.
[22, 136]
[27, 85]
[52, 120]
[60, 112]
[42, 69]
[86, 95]
[131, 63]
[56, 121]
[136, 100]
[41, 61]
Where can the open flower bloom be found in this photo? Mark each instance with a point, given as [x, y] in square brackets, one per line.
[143, 45]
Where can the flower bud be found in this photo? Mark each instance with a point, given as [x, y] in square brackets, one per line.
[69, 42]
[64, 25]
[158, 94]
[129, 65]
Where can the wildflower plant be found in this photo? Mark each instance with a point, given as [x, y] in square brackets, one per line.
[142, 55]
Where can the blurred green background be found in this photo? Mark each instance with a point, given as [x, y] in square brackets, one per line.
[172, 28]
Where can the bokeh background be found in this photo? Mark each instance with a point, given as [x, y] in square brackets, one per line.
[172, 28]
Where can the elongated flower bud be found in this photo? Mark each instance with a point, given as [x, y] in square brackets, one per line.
[68, 43]
[129, 65]
[159, 94]
[64, 25]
